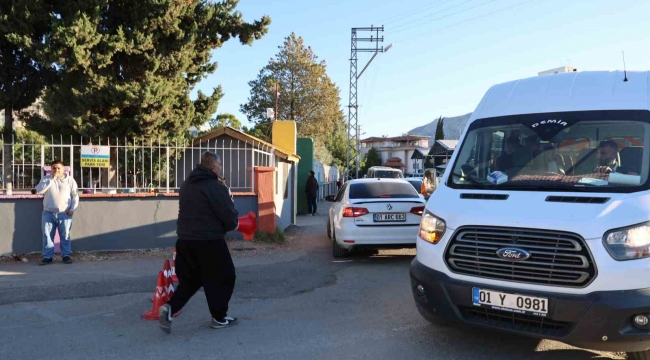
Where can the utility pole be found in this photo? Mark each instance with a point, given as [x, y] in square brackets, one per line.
[358, 147]
[353, 130]
[277, 93]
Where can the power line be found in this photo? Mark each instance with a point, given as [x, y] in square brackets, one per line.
[411, 12]
[463, 22]
[441, 17]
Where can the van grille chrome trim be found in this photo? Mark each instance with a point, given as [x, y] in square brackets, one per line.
[557, 258]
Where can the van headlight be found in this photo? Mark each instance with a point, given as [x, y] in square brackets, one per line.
[628, 243]
[431, 228]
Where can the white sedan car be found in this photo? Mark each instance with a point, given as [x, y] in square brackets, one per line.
[374, 213]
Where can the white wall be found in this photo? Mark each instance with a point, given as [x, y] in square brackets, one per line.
[283, 208]
[325, 173]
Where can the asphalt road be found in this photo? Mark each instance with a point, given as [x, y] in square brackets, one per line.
[303, 305]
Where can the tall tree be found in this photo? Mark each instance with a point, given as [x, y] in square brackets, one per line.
[440, 130]
[306, 94]
[440, 135]
[223, 120]
[25, 27]
[373, 158]
[128, 67]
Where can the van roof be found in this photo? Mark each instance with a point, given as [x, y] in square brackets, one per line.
[574, 91]
[384, 168]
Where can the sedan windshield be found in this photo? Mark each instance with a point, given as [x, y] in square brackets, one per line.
[575, 151]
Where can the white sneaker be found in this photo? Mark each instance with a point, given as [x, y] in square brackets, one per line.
[225, 322]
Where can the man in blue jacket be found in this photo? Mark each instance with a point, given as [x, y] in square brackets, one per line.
[206, 212]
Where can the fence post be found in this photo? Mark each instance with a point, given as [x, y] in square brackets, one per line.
[71, 160]
[42, 160]
[253, 168]
[167, 166]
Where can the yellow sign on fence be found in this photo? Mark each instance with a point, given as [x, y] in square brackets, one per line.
[96, 156]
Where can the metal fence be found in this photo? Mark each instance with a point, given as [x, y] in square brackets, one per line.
[327, 188]
[136, 165]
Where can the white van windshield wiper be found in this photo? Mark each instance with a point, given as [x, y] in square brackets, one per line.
[475, 182]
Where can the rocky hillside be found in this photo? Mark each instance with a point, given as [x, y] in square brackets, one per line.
[453, 126]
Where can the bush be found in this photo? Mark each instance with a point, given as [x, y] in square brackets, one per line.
[277, 238]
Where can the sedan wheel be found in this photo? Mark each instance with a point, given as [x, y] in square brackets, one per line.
[337, 251]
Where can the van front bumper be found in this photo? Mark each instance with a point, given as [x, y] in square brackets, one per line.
[599, 320]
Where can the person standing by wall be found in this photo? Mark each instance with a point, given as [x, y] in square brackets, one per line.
[60, 200]
[206, 212]
[311, 188]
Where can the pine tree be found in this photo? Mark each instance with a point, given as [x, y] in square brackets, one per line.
[128, 67]
[306, 95]
[440, 135]
[25, 27]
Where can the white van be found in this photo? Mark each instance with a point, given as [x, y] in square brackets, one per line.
[541, 223]
[384, 172]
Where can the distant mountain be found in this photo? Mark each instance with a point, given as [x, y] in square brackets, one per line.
[453, 126]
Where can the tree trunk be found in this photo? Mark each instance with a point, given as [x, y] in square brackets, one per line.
[7, 166]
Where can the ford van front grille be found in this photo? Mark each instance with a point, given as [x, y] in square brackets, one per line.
[521, 255]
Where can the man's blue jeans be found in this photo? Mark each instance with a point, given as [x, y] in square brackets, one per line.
[50, 222]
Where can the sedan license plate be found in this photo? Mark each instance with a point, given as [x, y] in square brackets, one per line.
[528, 305]
[389, 217]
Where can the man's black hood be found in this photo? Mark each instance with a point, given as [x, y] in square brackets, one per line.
[201, 173]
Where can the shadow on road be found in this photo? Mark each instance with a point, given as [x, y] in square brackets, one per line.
[498, 345]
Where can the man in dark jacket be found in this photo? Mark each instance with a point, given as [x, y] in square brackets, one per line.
[312, 192]
[206, 212]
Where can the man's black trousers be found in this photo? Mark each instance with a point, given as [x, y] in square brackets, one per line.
[207, 264]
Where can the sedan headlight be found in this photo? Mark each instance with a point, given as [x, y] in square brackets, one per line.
[432, 228]
[628, 243]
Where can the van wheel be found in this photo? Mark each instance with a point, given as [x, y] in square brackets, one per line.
[642, 355]
[338, 251]
[431, 317]
[329, 229]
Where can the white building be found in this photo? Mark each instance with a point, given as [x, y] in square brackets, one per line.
[403, 152]
[563, 69]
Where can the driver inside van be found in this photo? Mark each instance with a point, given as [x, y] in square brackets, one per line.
[607, 156]
[505, 161]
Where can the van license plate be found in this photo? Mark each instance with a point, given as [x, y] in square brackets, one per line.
[389, 217]
[528, 305]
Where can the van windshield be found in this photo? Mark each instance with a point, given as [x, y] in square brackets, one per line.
[600, 151]
[386, 174]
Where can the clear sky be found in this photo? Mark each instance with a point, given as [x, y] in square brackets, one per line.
[446, 53]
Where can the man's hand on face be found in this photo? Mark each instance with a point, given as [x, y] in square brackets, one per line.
[57, 171]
